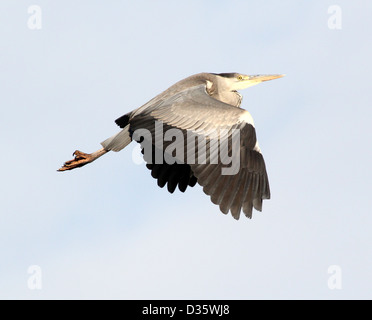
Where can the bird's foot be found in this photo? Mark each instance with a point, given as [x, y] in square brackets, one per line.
[81, 159]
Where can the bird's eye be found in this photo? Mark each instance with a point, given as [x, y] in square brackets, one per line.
[240, 77]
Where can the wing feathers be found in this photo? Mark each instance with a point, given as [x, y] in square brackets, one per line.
[194, 111]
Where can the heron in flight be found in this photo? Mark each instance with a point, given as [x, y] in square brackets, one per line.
[204, 105]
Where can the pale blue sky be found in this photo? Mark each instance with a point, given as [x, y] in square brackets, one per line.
[107, 230]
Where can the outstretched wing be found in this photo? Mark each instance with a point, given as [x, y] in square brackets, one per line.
[194, 111]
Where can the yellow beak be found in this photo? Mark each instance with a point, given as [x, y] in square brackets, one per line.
[265, 77]
[249, 81]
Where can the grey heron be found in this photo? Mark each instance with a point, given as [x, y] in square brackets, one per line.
[203, 104]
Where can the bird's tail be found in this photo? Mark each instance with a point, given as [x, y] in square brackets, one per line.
[118, 141]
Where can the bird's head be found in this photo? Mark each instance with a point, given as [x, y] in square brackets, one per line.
[238, 81]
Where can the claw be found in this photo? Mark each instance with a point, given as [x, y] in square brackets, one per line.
[80, 160]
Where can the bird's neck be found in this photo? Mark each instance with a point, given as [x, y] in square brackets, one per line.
[230, 97]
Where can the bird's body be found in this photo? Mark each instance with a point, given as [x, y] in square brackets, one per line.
[205, 107]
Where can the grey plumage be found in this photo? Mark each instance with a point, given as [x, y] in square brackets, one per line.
[118, 141]
[192, 105]
[207, 106]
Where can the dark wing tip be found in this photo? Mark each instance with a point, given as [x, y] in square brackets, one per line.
[123, 121]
